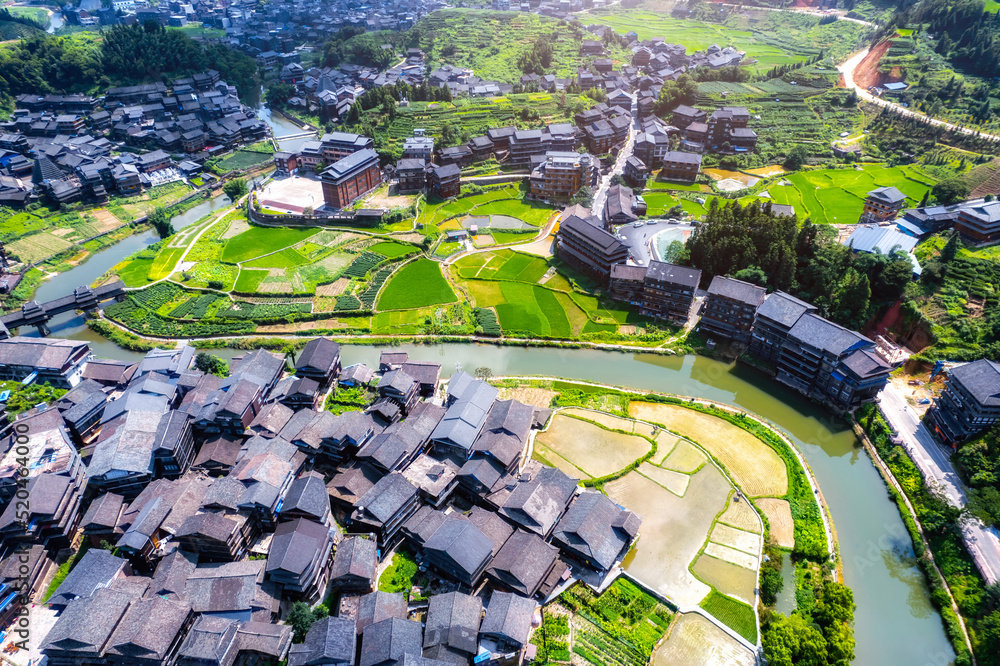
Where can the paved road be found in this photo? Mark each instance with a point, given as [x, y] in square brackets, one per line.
[847, 69]
[935, 463]
[602, 190]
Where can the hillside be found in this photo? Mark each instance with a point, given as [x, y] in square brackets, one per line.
[491, 43]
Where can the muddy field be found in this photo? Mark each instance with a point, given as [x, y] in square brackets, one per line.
[590, 447]
[674, 529]
[727, 578]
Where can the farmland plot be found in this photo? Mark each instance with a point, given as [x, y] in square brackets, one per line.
[695, 641]
[674, 529]
[779, 518]
[590, 447]
[756, 468]
[727, 578]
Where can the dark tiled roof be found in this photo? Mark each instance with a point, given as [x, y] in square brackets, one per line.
[385, 642]
[865, 363]
[319, 354]
[95, 570]
[523, 562]
[330, 640]
[391, 493]
[783, 308]
[308, 495]
[453, 620]
[597, 528]
[356, 556]
[981, 379]
[590, 232]
[813, 330]
[737, 290]
[378, 606]
[537, 504]
[682, 275]
[509, 615]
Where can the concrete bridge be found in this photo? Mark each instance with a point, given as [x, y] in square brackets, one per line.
[38, 314]
[300, 135]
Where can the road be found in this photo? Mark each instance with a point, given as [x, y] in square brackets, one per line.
[935, 464]
[597, 209]
[847, 70]
[639, 239]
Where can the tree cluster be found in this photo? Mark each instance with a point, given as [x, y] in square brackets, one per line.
[969, 32]
[161, 222]
[753, 243]
[354, 45]
[537, 59]
[675, 93]
[820, 635]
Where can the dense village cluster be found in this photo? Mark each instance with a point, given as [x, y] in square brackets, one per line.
[79, 147]
[209, 504]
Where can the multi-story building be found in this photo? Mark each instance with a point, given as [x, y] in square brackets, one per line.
[980, 223]
[684, 115]
[338, 145]
[619, 206]
[588, 248]
[286, 162]
[627, 283]
[525, 143]
[680, 166]
[969, 403]
[445, 181]
[830, 363]
[411, 174]
[562, 174]
[668, 291]
[774, 318]
[419, 146]
[635, 172]
[350, 178]
[730, 308]
[883, 204]
[58, 362]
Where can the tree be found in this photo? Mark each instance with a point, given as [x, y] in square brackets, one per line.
[279, 93]
[301, 617]
[484, 372]
[235, 188]
[752, 274]
[584, 197]
[159, 220]
[989, 637]
[210, 364]
[797, 156]
[923, 201]
[950, 249]
[950, 190]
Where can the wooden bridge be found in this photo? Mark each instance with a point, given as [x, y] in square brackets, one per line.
[38, 314]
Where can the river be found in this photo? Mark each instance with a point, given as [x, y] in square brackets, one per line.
[280, 127]
[895, 622]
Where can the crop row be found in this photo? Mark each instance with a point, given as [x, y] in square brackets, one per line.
[369, 294]
[363, 263]
[252, 311]
[486, 319]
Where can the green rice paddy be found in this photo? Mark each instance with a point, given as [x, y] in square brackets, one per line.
[416, 285]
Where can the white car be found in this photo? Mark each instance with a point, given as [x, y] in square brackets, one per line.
[637, 223]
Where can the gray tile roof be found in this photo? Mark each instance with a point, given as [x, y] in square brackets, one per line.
[460, 547]
[523, 562]
[596, 528]
[149, 629]
[981, 379]
[96, 569]
[682, 275]
[813, 330]
[86, 624]
[737, 290]
[509, 615]
[297, 546]
[378, 606]
[104, 511]
[783, 309]
[390, 494]
[466, 416]
[356, 556]
[384, 643]
[331, 641]
[888, 194]
[453, 620]
[308, 495]
[319, 355]
[505, 431]
[538, 503]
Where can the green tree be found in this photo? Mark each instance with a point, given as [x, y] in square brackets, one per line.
[279, 93]
[797, 156]
[950, 249]
[235, 188]
[300, 618]
[989, 640]
[950, 190]
[752, 274]
[584, 197]
[159, 221]
[211, 364]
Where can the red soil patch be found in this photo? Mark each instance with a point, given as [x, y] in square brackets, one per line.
[867, 74]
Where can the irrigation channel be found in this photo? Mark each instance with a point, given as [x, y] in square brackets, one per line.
[895, 622]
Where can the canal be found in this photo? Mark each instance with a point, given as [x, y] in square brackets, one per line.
[895, 622]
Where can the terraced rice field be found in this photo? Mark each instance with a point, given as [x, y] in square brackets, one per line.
[685, 457]
[728, 578]
[831, 196]
[590, 447]
[755, 467]
[695, 641]
[416, 285]
[741, 516]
